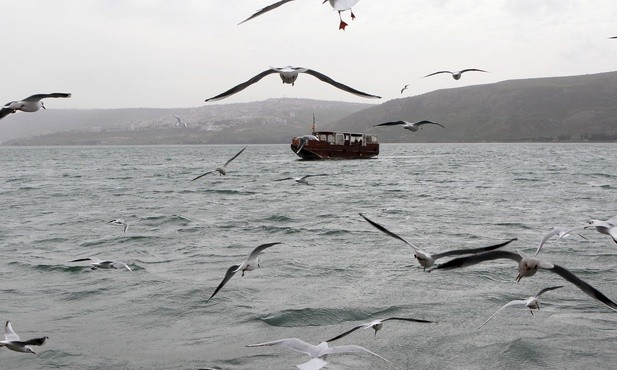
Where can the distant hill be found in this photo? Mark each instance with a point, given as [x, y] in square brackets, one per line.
[269, 121]
[577, 108]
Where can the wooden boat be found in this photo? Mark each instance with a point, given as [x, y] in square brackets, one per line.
[335, 145]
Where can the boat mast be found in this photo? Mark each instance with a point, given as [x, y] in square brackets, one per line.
[313, 124]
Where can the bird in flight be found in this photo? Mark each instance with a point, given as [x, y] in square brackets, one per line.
[409, 125]
[29, 104]
[221, 170]
[457, 75]
[289, 75]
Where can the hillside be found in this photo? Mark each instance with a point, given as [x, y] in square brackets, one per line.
[576, 108]
[269, 121]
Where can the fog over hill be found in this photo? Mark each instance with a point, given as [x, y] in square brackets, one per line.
[575, 108]
[543, 109]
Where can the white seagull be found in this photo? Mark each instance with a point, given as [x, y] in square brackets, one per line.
[338, 5]
[12, 341]
[180, 122]
[410, 126]
[305, 139]
[301, 180]
[426, 259]
[220, 170]
[533, 303]
[29, 104]
[528, 267]
[376, 325]
[608, 227]
[289, 74]
[560, 232]
[104, 264]
[120, 222]
[457, 75]
[319, 351]
[251, 262]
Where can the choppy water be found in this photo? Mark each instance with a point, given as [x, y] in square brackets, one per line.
[333, 271]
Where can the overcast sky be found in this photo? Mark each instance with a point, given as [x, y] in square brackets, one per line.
[177, 53]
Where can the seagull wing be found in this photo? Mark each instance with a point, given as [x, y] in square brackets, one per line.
[5, 112]
[406, 319]
[319, 174]
[472, 250]
[352, 349]
[582, 285]
[388, 232]
[234, 157]
[522, 302]
[230, 272]
[38, 97]
[265, 10]
[286, 178]
[203, 174]
[404, 88]
[546, 237]
[95, 260]
[9, 334]
[436, 73]
[547, 290]
[242, 86]
[425, 122]
[472, 70]
[345, 333]
[125, 265]
[339, 85]
[394, 123]
[34, 342]
[478, 258]
[260, 249]
[291, 343]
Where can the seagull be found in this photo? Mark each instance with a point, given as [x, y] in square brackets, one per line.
[251, 262]
[410, 126]
[29, 104]
[528, 267]
[221, 170]
[180, 122]
[301, 180]
[532, 302]
[313, 364]
[289, 74]
[608, 227]
[120, 222]
[375, 325]
[12, 341]
[104, 264]
[457, 75]
[319, 351]
[561, 232]
[426, 259]
[338, 5]
[404, 88]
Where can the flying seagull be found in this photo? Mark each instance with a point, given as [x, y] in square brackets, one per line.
[410, 126]
[12, 341]
[104, 264]
[338, 5]
[533, 303]
[180, 122]
[29, 104]
[319, 351]
[289, 74]
[560, 232]
[528, 267]
[376, 325]
[457, 75]
[120, 222]
[251, 262]
[220, 170]
[426, 259]
[305, 139]
[301, 180]
[404, 88]
[608, 227]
